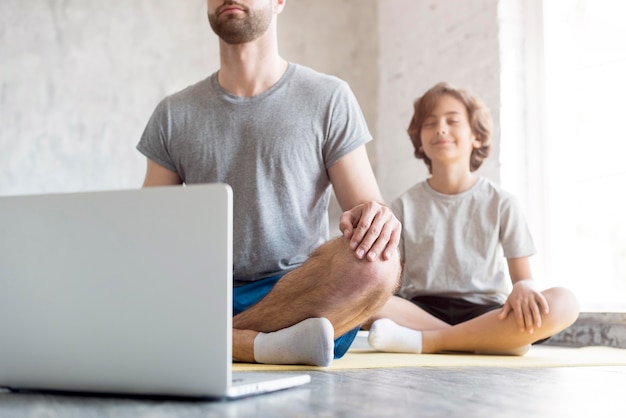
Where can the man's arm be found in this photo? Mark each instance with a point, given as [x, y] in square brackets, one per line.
[157, 175]
[367, 222]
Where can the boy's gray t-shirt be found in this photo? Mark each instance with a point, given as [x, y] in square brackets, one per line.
[453, 245]
[273, 149]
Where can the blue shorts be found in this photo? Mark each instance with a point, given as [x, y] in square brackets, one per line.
[247, 295]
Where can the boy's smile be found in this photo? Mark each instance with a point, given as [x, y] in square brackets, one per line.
[446, 133]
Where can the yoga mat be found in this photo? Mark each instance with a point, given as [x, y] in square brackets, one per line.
[537, 356]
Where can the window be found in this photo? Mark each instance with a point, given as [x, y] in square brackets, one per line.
[569, 163]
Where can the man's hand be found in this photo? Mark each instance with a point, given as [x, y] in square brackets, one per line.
[372, 229]
[527, 304]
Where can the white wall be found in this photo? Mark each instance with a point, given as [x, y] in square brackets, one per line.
[421, 43]
[79, 78]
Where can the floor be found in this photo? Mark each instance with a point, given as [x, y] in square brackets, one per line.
[466, 392]
[424, 392]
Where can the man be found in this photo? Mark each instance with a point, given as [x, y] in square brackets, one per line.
[281, 134]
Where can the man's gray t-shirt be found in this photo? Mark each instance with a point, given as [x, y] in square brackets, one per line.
[273, 149]
[453, 245]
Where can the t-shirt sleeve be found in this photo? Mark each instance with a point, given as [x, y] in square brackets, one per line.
[515, 234]
[154, 142]
[346, 126]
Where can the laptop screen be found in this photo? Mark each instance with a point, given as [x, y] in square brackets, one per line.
[117, 291]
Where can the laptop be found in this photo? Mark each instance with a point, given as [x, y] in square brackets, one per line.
[124, 292]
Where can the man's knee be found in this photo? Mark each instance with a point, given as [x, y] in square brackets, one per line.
[383, 275]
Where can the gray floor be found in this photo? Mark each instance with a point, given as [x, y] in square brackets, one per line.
[598, 392]
[423, 392]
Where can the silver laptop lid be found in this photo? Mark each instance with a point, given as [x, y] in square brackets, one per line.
[118, 291]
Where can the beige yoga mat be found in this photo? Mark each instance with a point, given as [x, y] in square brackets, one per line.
[538, 356]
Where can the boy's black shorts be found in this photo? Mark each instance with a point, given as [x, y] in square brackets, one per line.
[454, 311]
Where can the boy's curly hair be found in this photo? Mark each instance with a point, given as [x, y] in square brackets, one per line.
[480, 121]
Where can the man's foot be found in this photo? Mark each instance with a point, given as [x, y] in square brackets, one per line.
[308, 342]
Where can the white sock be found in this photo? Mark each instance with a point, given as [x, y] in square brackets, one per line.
[308, 342]
[386, 335]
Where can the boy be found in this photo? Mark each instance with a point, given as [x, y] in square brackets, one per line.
[456, 227]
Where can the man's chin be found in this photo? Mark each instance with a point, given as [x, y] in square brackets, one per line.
[236, 38]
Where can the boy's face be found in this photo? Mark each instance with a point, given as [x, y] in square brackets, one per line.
[447, 137]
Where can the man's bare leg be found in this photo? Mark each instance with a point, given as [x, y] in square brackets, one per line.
[332, 284]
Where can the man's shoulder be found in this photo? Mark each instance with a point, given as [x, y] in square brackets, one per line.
[192, 91]
[306, 71]
[309, 76]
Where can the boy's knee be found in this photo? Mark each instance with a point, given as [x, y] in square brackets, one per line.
[564, 305]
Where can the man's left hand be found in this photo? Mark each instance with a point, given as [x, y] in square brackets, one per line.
[372, 229]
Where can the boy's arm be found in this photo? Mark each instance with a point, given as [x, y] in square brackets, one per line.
[525, 301]
[519, 269]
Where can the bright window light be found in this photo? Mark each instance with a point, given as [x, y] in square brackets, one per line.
[585, 149]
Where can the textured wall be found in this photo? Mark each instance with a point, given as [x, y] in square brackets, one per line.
[345, 44]
[79, 81]
[338, 38]
[79, 78]
[594, 328]
[427, 42]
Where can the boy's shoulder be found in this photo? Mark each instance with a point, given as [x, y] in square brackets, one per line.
[490, 191]
[492, 187]
[418, 188]
[484, 188]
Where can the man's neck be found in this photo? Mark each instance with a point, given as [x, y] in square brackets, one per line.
[249, 69]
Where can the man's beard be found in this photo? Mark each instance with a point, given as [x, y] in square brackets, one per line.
[238, 30]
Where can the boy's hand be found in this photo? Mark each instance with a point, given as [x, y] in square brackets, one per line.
[527, 304]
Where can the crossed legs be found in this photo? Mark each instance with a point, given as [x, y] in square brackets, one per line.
[414, 330]
[332, 284]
